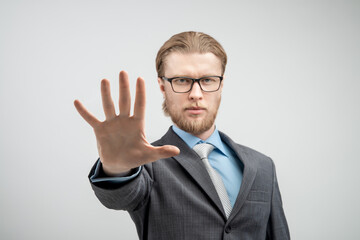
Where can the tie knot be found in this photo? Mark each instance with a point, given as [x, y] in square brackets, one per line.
[203, 149]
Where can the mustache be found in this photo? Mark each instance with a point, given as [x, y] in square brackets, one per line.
[195, 106]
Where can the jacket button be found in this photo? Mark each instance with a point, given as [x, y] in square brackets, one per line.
[228, 229]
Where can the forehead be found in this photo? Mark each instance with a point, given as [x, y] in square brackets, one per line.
[192, 65]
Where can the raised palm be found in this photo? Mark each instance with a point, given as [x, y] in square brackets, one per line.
[121, 138]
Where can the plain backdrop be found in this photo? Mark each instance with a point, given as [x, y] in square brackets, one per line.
[292, 92]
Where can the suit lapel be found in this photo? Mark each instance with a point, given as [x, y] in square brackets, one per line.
[249, 174]
[191, 162]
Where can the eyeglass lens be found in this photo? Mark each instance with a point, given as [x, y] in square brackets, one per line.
[207, 84]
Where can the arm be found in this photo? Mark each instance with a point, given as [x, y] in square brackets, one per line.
[277, 226]
[122, 145]
[127, 195]
[98, 175]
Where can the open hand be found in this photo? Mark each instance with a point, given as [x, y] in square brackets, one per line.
[121, 138]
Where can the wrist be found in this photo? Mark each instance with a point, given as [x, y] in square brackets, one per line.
[111, 172]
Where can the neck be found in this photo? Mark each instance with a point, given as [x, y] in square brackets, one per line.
[205, 135]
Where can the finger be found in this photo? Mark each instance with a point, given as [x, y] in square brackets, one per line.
[124, 94]
[166, 151]
[107, 101]
[85, 114]
[140, 99]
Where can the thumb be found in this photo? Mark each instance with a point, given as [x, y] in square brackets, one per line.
[166, 151]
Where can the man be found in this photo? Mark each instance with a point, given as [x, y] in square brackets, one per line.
[195, 182]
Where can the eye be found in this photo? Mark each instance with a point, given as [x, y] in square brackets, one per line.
[182, 81]
[208, 80]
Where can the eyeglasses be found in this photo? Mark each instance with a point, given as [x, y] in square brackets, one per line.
[185, 84]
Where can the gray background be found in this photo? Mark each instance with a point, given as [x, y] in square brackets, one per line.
[291, 92]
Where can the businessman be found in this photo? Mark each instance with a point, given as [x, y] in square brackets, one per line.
[195, 182]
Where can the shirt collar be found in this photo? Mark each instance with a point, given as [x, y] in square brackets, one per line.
[191, 140]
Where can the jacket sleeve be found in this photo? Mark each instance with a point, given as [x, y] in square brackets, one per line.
[277, 228]
[129, 195]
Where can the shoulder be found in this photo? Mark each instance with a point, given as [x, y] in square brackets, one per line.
[260, 160]
[248, 154]
[252, 152]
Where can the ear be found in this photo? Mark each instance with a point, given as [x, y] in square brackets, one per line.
[161, 85]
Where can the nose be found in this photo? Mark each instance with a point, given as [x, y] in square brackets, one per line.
[196, 92]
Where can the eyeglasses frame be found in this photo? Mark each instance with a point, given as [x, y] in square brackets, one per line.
[193, 81]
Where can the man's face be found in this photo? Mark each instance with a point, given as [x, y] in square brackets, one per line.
[194, 111]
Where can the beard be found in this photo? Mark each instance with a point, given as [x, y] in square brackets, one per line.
[195, 126]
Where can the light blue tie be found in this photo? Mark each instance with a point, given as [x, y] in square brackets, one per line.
[203, 150]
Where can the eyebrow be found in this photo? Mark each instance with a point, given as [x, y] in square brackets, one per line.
[206, 75]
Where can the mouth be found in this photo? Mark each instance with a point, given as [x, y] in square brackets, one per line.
[195, 110]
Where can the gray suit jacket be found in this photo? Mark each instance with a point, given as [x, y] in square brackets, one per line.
[175, 199]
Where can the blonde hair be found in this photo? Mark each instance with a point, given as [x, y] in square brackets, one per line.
[190, 42]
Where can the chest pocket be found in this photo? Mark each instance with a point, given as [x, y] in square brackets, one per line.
[258, 196]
